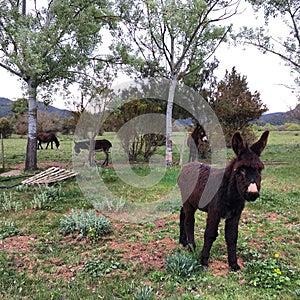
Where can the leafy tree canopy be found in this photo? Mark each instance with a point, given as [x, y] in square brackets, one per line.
[286, 47]
[234, 104]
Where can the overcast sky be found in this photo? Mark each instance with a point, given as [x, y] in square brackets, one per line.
[265, 72]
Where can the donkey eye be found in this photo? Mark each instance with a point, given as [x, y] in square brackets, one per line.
[242, 171]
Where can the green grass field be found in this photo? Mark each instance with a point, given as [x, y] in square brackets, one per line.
[38, 260]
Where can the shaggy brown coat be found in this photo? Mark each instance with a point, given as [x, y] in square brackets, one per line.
[221, 194]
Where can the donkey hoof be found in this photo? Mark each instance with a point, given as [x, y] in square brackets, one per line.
[236, 268]
[204, 268]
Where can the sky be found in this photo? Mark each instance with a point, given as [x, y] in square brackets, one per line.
[265, 73]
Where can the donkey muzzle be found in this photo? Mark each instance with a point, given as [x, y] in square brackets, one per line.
[252, 193]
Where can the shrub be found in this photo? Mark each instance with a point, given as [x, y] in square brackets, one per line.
[46, 197]
[145, 292]
[8, 203]
[7, 230]
[182, 265]
[269, 273]
[6, 127]
[87, 224]
[97, 267]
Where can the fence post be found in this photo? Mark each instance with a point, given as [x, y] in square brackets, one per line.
[182, 148]
[2, 151]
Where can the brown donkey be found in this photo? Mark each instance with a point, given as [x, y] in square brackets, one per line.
[240, 181]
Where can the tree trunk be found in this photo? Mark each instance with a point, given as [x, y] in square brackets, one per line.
[31, 155]
[91, 155]
[169, 159]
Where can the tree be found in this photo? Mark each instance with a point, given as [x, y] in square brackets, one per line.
[20, 106]
[234, 105]
[46, 122]
[135, 142]
[287, 48]
[6, 128]
[172, 39]
[45, 45]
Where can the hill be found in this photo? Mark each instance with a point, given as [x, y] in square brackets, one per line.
[278, 118]
[6, 106]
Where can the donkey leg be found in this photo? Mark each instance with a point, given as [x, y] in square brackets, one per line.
[182, 237]
[231, 236]
[210, 235]
[105, 163]
[189, 224]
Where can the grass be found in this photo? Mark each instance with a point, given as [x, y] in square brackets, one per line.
[144, 260]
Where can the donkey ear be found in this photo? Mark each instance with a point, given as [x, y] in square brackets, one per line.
[260, 145]
[237, 144]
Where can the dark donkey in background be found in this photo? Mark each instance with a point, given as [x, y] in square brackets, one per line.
[47, 138]
[100, 145]
[240, 181]
[194, 140]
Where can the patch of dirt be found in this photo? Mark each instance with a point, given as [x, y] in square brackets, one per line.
[44, 165]
[11, 173]
[220, 267]
[21, 243]
[150, 254]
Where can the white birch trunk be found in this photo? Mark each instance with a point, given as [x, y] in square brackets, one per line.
[169, 114]
[31, 155]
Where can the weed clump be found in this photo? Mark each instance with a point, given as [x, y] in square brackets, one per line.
[270, 273]
[98, 267]
[8, 229]
[182, 265]
[87, 224]
[46, 198]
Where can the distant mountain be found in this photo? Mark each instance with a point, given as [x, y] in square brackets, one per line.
[6, 106]
[278, 118]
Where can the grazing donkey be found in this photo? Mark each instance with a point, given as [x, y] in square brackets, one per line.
[239, 181]
[100, 145]
[47, 138]
[194, 140]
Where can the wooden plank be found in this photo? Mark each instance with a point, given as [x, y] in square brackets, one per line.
[50, 175]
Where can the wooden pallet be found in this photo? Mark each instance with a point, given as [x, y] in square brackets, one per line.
[51, 175]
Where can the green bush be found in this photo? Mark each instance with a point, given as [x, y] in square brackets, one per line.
[269, 273]
[87, 224]
[8, 229]
[8, 203]
[97, 267]
[292, 126]
[145, 292]
[46, 198]
[182, 265]
[6, 127]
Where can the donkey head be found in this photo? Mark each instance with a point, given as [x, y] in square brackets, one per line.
[247, 166]
[76, 148]
[57, 143]
[201, 134]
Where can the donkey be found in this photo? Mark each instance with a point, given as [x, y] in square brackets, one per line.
[47, 138]
[240, 181]
[194, 140]
[100, 145]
